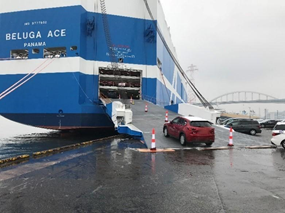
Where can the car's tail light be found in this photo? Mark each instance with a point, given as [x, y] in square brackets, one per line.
[259, 126]
[212, 131]
[274, 133]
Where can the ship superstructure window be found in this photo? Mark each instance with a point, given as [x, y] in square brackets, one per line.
[19, 54]
[55, 52]
[73, 48]
[36, 51]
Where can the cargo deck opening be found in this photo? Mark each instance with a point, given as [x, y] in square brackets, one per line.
[120, 83]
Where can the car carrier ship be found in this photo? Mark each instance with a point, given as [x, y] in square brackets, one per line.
[58, 58]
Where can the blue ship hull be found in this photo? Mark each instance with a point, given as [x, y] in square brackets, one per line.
[55, 101]
[63, 121]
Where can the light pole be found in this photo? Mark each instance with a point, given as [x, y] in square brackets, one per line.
[249, 113]
[265, 112]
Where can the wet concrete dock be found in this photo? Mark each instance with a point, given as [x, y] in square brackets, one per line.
[114, 178]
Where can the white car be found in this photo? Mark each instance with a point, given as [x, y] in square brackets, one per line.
[278, 139]
[278, 134]
[278, 128]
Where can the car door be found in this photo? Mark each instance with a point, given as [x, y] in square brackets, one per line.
[267, 124]
[236, 125]
[274, 123]
[270, 124]
[178, 127]
[243, 126]
[172, 126]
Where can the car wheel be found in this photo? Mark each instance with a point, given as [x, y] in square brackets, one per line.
[283, 144]
[209, 144]
[182, 139]
[165, 132]
[252, 132]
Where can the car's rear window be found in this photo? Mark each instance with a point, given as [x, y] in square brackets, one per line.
[279, 127]
[200, 123]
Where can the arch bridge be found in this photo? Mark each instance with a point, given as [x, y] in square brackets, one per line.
[245, 97]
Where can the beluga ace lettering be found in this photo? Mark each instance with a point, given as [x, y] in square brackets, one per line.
[57, 33]
[35, 35]
[24, 35]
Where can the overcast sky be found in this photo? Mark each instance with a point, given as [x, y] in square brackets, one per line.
[236, 44]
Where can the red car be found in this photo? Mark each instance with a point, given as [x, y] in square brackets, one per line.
[190, 129]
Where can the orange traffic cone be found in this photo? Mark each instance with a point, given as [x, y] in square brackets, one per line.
[231, 137]
[166, 117]
[153, 147]
[131, 100]
[145, 108]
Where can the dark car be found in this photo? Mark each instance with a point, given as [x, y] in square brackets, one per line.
[268, 123]
[190, 129]
[245, 126]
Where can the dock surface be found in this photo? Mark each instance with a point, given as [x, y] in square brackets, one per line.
[113, 176]
[117, 179]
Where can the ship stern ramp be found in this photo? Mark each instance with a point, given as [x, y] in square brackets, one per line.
[122, 117]
[131, 119]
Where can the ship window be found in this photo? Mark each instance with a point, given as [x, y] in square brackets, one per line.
[56, 52]
[72, 48]
[19, 54]
[36, 51]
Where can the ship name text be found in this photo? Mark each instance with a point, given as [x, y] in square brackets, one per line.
[35, 35]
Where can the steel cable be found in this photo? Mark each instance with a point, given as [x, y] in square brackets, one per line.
[11, 87]
[4, 95]
[192, 86]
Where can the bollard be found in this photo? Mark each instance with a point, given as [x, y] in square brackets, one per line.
[153, 146]
[166, 117]
[231, 137]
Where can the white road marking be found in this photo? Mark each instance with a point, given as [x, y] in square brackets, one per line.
[275, 197]
[96, 189]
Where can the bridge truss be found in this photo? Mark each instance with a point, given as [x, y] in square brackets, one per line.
[245, 97]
